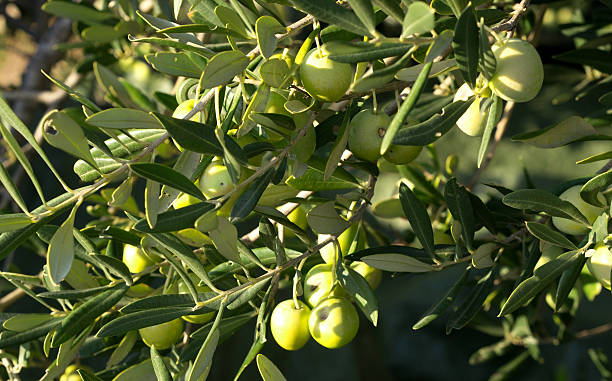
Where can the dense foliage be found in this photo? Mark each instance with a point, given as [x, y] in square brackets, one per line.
[231, 157]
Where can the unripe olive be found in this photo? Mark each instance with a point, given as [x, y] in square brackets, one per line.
[589, 211]
[600, 264]
[366, 131]
[519, 73]
[216, 180]
[324, 79]
[289, 325]
[334, 323]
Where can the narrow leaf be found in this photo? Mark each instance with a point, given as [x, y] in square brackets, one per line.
[545, 233]
[466, 44]
[167, 176]
[543, 201]
[417, 216]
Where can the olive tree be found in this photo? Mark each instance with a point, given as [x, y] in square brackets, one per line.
[227, 156]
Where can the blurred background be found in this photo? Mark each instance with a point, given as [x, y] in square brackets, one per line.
[30, 40]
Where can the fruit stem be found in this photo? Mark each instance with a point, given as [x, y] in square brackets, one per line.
[374, 102]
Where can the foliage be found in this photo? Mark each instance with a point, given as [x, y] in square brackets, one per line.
[204, 197]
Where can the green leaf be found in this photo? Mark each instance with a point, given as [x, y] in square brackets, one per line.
[85, 314]
[361, 51]
[103, 33]
[225, 239]
[73, 93]
[60, 252]
[314, 178]
[392, 8]
[419, 220]
[407, 106]
[161, 371]
[184, 253]
[545, 233]
[543, 201]
[247, 200]
[267, 369]
[176, 219]
[11, 119]
[543, 276]
[170, 301]
[594, 158]
[223, 67]
[365, 13]
[9, 339]
[113, 87]
[397, 263]
[591, 190]
[194, 136]
[185, 64]
[231, 19]
[466, 44]
[460, 205]
[167, 176]
[486, 59]
[379, 78]
[324, 219]
[9, 241]
[62, 132]
[328, 11]
[76, 12]
[15, 221]
[339, 145]
[115, 266]
[473, 304]
[73, 294]
[439, 47]
[151, 204]
[121, 147]
[491, 123]
[568, 281]
[442, 305]
[123, 118]
[25, 322]
[432, 129]
[360, 291]
[160, 24]
[87, 375]
[565, 132]
[123, 349]
[419, 19]
[11, 188]
[141, 371]
[200, 28]
[274, 72]
[266, 29]
[596, 58]
[142, 319]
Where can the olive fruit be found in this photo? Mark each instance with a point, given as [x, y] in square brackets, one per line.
[289, 325]
[600, 264]
[163, 335]
[318, 285]
[519, 72]
[591, 212]
[216, 180]
[366, 131]
[136, 259]
[324, 79]
[182, 289]
[333, 323]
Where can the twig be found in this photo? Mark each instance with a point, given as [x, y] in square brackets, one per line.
[10, 298]
[287, 208]
[291, 29]
[511, 24]
[499, 133]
